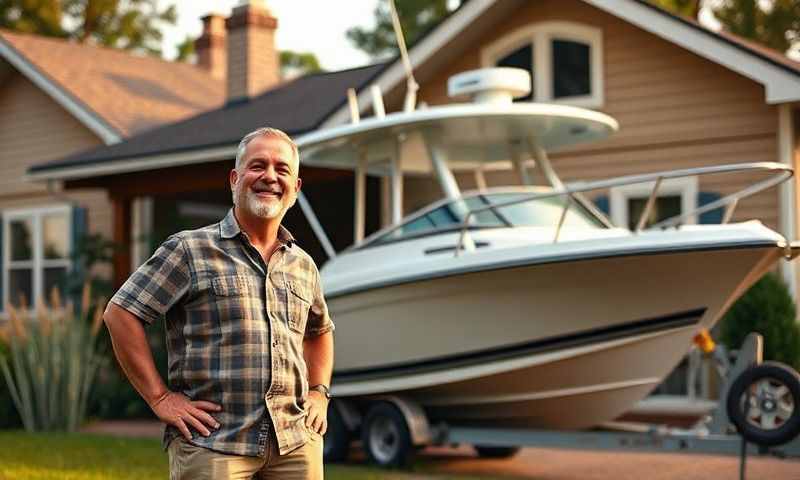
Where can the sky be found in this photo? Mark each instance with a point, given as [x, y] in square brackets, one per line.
[316, 26]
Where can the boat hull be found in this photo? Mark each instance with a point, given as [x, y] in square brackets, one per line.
[550, 344]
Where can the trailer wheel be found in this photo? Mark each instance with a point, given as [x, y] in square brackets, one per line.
[386, 438]
[336, 443]
[496, 452]
[764, 404]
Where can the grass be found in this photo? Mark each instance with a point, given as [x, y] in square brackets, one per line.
[62, 456]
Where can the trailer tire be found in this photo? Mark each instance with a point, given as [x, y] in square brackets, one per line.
[336, 444]
[753, 408]
[385, 436]
[496, 452]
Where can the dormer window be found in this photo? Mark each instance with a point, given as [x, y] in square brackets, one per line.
[564, 59]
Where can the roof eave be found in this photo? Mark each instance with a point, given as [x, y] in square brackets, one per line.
[135, 164]
[781, 85]
[75, 107]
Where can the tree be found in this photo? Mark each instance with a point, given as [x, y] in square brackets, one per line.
[773, 23]
[685, 8]
[186, 52]
[298, 63]
[125, 24]
[416, 18]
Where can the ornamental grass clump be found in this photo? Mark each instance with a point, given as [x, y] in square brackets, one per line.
[52, 361]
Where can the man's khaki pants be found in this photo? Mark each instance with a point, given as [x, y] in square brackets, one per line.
[190, 462]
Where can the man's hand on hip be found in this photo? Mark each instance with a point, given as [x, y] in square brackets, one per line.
[317, 418]
[179, 411]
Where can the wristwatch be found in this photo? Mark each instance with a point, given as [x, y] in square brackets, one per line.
[323, 389]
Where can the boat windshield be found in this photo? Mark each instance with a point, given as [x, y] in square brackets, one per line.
[541, 212]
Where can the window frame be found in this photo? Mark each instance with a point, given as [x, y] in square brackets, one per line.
[38, 263]
[687, 188]
[541, 35]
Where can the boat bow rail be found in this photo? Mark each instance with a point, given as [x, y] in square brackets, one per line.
[573, 192]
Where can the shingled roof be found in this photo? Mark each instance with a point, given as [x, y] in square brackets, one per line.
[295, 107]
[130, 93]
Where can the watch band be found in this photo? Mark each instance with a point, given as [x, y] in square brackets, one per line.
[323, 389]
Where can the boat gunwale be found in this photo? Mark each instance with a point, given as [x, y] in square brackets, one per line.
[558, 258]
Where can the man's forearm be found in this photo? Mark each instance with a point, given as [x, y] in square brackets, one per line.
[318, 353]
[133, 353]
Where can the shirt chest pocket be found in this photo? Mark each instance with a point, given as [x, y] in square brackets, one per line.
[236, 297]
[298, 305]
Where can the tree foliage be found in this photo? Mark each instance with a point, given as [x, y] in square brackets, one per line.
[416, 18]
[186, 51]
[773, 23]
[124, 24]
[686, 8]
[298, 63]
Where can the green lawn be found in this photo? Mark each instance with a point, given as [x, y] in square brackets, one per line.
[59, 456]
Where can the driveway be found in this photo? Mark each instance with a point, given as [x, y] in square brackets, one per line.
[551, 464]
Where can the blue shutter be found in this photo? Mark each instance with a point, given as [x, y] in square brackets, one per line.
[714, 216]
[79, 230]
[602, 204]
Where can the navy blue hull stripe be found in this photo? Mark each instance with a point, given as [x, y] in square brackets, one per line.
[588, 337]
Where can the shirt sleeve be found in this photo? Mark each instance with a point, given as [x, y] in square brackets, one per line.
[157, 285]
[319, 320]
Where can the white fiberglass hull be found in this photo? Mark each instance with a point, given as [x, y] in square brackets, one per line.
[558, 341]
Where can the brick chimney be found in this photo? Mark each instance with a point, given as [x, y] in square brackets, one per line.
[253, 64]
[210, 46]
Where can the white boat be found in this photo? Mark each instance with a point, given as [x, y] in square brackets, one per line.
[521, 306]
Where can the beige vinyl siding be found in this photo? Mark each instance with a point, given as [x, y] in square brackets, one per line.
[34, 129]
[675, 109]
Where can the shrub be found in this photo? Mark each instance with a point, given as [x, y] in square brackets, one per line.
[767, 308]
[52, 363]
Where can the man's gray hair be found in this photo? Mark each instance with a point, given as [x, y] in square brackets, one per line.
[265, 132]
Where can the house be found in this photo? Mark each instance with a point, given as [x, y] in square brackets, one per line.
[684, 97]
[58, 98]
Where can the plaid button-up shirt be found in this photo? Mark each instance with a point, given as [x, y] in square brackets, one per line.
[235, 327]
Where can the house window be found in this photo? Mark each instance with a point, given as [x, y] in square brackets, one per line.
[563, 58]
[36, 253]
[521, 58]
[675, 196]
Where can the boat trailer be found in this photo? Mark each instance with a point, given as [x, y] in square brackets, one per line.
[392, 428]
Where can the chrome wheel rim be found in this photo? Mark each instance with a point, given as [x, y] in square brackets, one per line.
[384, 439]
[768, 404]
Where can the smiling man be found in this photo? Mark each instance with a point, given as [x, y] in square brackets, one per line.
[249, 338]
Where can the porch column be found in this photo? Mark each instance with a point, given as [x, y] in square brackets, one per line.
[122, 238]
[788, 215]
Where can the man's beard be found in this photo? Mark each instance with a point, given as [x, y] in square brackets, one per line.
[266, 209]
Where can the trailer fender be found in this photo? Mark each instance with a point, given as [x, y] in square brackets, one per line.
[415, 417]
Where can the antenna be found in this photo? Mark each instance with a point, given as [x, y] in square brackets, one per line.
[411, 83]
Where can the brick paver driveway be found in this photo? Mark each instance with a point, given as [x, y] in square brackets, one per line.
[550, 464]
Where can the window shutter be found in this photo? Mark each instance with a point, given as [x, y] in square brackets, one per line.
[714, 216]
[601, 203]
[79, 230]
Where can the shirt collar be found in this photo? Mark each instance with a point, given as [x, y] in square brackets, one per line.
[229, 228]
